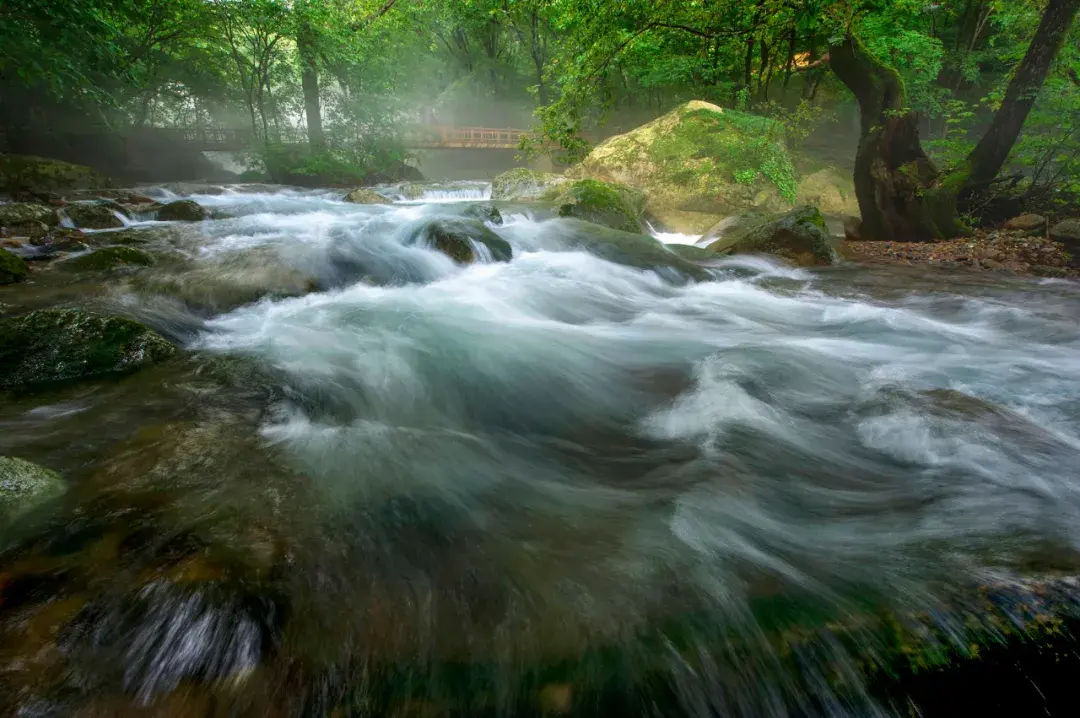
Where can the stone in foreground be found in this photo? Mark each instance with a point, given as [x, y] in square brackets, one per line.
[460, 239]
[95, 215]
[799, 236]
[366, 196]
[183, 210]
[12, 268]
[1027, 223]
[24, 485]
[21, 213]
[107, 258]
[603, 203]
[51, 346]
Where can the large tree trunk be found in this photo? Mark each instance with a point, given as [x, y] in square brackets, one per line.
[988, 157]
[309, 81]
[891, 169]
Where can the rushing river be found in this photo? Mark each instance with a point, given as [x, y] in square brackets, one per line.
[400, 486]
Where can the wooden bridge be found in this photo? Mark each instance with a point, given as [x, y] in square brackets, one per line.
[423, 137]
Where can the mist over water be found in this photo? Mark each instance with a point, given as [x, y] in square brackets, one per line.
[564, 461]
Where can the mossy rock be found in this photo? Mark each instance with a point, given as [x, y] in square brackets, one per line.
[27, 173]
[457, 238]
[183, 210]
[699, 157]
[799, 236]
[366, 196]
[95, 214]
[19, 213]
[602, 203]
[631, 249]
[107, 258]
[63, 345]
[484, 212]
[24, 485]
[524, 185]
[691, 253]
[12, 268]
[830, 190]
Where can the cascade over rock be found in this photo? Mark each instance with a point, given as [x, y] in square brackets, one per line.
[524, 184]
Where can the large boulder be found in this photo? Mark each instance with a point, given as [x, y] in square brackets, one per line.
[523, 185]
[366, 196]
[24, 485]
[830, 190]
[631, 249]
[699, 157]
[104, 214]
[49, 346]
[610, 205]
[107, 258]
[1033, 223]
[26, 174]
[183, 210]
[799, 236]
[1067, 233]
[465, 240]
[12, 268]
[20, 213]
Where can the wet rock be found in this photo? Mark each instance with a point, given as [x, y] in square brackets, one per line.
[799, 236]
[24, 485]
[107, 258]
[62, 239]
[12, 268]
[524, 184]
[27, 173]
[692, 253]
[1027, 223]
[31, 229]
[458, 239]
[1067, 233]
[628, 248]
[484, 212]
[95, 215]
[62, 345]
[602, 203]
[366, 196]
[731, 225]
[183, 210]
[18, 213]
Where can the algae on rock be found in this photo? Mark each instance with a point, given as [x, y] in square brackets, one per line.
[27, 173]
[12, 268]
[60, 345]
[107, 258]
[24, 485]
[799, 236]
[610, 205]
[459, 239]
[366, 196]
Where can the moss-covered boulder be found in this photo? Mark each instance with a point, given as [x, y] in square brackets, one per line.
[12, 268]
[799, 236]
[631, 249]
[104, 214]
[523, 185]
[107, 258]
[28, 230]
[465, 240]
[485, 212]
[691, 253]
[366, 196]
[183, 210]
[699, 157]
[61, 345]
[28, 174]
[19, 213]
[610, 205]
[24, 485]
[62, 239]
[830, 190]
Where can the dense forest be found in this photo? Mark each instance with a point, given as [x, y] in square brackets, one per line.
[958, 99]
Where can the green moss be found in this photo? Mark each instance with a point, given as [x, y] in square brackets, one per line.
[18, 213]
[26, 173]
[107, 258]
[455, 238]
[12, 268]
[61, 345]
[610, 205]
[799, 236]
[523, 184]
[366, 196]
[24, 485]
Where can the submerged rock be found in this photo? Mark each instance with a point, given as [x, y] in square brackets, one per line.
[628, 248]
[95, 215]
[19, 213]
[484, 212]
[107, 258]
[457, 239]
[24, 485]
[366, 196]
[30, 174]
[601, 203]
[524, 184]
[61, 345]
[183, 210]
[12, 268]
[799, 236]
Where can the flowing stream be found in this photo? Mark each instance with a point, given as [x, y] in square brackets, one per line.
[400, 486]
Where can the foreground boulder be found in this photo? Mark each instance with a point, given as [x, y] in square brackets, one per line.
[24, 485]
[523, 185]
[1034, 223]
[23, 213]
[699, 157]
[183, 210]
[107, 258]
[27, 174]
[1067, 233]
[610, 205]
[631, 249]
[484, 212]
[95, 215]
[366, 196]
[464, 240]
[12, 268]
[799, 236]
[64, 345]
